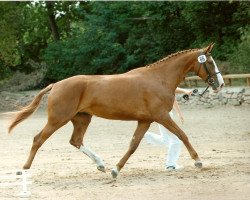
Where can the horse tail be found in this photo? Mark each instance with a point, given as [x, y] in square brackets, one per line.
[26, 111]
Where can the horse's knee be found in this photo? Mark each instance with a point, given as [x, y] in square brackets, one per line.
[75, 144]
[76, 138]
[80, 122]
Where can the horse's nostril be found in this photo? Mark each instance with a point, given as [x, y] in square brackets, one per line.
[221, 86]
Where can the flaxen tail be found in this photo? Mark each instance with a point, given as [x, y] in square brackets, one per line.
[26, 111]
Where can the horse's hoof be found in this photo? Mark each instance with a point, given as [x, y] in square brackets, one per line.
[101, 168]
[198, 164]
[114, 173]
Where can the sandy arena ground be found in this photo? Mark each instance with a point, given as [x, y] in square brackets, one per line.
[220, 135]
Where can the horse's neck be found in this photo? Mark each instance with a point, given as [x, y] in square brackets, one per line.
[174, 69]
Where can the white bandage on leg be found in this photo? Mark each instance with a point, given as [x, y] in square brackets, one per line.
[92, 155]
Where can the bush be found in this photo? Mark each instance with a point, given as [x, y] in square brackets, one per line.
[20, 81]
[240, 59]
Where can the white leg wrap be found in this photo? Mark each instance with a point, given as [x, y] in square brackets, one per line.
[92, 155]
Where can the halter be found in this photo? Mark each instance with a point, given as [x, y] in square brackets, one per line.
[210, 80]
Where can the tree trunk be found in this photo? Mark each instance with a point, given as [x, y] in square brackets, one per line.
[52, 20]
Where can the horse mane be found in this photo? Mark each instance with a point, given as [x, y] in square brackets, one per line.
[171, 56]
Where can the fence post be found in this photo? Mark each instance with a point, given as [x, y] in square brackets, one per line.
[24, 192]
[16, 178]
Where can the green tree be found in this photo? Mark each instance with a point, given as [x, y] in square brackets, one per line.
[25, 31]
[10, 23]
[217, 22]
[118, 36]
[114, 37]
[240, 59]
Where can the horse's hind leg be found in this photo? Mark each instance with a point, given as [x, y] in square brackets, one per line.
[141, 129]
[80, 123]
[39, 139]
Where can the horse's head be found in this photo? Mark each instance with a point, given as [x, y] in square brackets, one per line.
[207, 69]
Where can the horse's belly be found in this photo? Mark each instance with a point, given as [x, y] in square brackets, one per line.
[117, 114]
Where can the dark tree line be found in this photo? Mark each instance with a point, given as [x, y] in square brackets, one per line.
[114, 37]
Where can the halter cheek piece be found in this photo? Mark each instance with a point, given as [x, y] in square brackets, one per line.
[202, 60]
[210, 80]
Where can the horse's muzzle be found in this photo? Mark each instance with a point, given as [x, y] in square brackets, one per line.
[217, 89]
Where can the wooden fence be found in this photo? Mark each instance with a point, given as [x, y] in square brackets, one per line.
[227, 78]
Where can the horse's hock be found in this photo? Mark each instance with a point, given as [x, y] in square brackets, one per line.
[228, 96]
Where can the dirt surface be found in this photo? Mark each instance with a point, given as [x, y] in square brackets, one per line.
[220, 135]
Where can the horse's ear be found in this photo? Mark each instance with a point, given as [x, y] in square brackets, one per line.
[209, 48]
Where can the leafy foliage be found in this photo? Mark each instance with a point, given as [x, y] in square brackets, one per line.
[10, 14]
[117, 37]
[114, 37]
[240, 57]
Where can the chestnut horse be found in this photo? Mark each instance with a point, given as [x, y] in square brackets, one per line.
[144, 94]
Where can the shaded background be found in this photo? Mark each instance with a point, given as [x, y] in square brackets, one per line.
[55, 40]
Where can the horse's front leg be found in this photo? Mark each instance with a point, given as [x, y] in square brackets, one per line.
[141, 129]
[81, 122]
[168, 123]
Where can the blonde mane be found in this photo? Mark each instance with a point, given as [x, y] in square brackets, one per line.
[171, 56]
